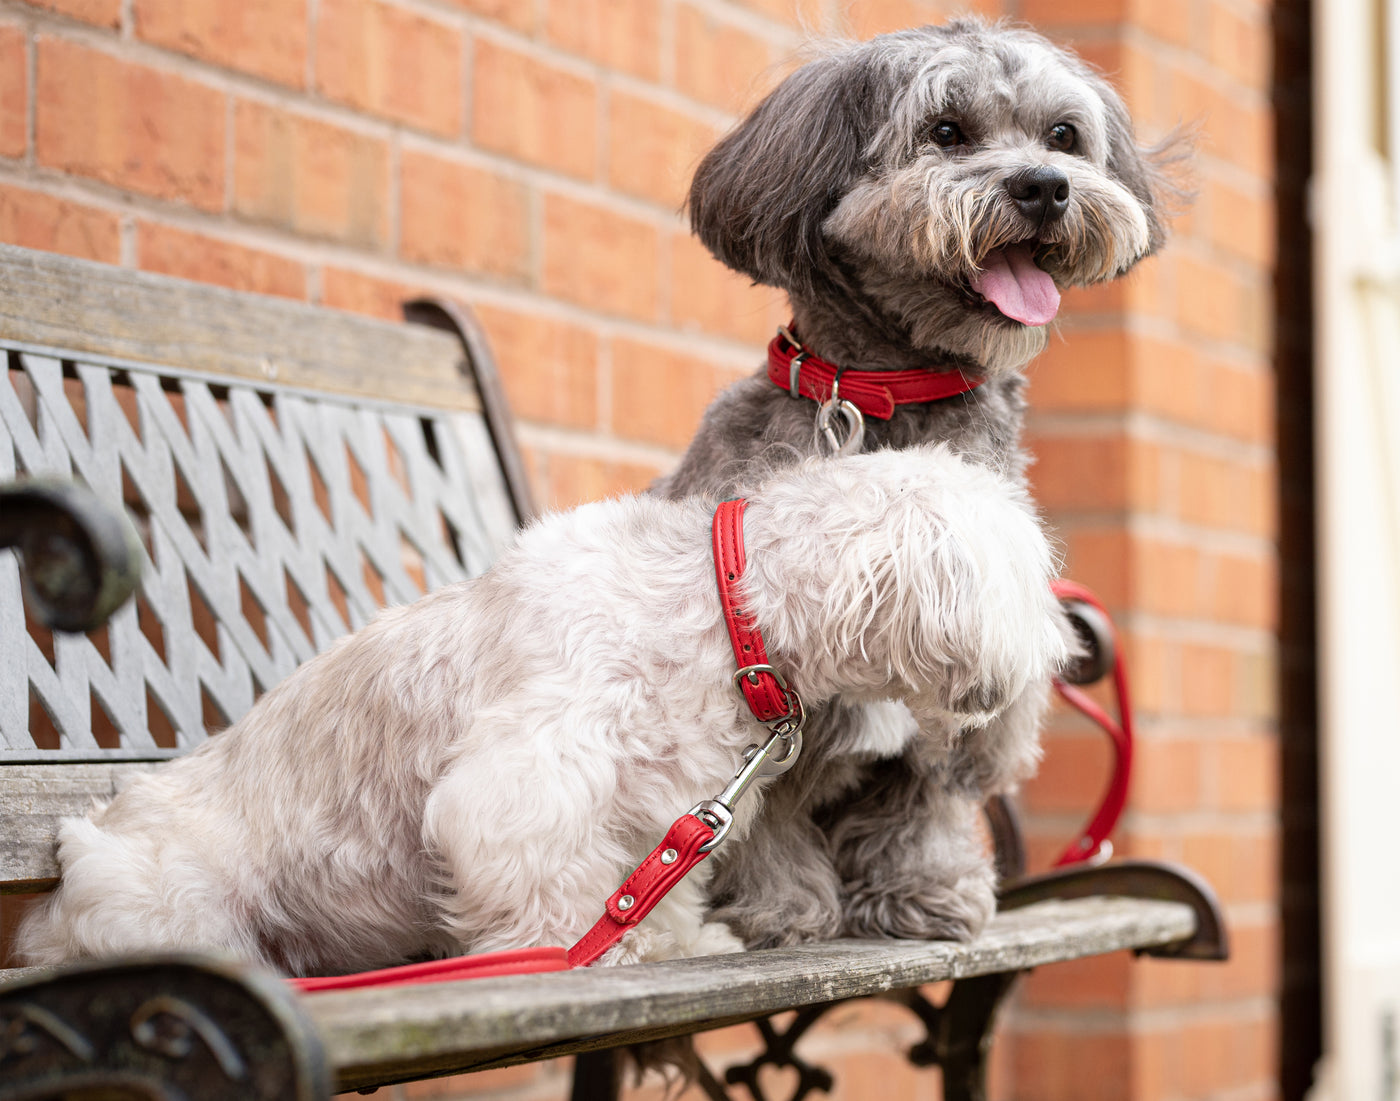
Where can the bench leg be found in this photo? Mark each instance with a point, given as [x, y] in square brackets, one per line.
[597, 1076]
[163, 1028]
[960, 1032]
[778, 1051]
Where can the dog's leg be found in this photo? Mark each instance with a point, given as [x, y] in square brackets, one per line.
[531, 856]
[995, 758]
[911, 857]
[912, 860]
[778, 886]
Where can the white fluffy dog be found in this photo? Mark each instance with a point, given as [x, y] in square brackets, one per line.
[481, 769]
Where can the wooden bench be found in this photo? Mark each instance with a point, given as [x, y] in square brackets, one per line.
[289, 470]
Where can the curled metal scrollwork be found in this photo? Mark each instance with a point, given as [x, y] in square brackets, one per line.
[957, 1039]
[168, 1026]
[779, 1051]
[20, 1030]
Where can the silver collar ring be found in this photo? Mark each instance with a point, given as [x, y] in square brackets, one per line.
[854, 425]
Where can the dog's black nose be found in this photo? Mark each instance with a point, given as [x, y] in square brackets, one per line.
[1040, 193]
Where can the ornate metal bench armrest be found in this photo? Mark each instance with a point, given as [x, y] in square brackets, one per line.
[166, 1026]
[81, 558]
[1134, 879]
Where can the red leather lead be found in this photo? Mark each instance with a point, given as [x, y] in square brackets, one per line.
[1089, 845]
[482, 965]
[645, 887]
[765, 695]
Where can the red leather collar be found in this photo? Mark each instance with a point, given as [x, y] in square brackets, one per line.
[874, 393]
[763, 687]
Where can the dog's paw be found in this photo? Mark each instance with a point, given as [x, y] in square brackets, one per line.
[644, 945]
[757, 925]
[1003, 625]
[936, 911]
[983, 700]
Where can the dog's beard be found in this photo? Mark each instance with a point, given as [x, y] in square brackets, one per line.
[953, 256]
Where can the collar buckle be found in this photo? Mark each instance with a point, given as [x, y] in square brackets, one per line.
[800, 356]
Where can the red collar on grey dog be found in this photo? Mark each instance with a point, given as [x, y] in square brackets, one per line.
[768, 695]
[874, 393]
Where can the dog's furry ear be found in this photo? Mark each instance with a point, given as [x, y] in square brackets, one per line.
[1153, 174]
[759, 197]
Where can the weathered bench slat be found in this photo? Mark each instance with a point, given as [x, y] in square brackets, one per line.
[35, 798]
[107, 311]
[374, 1037]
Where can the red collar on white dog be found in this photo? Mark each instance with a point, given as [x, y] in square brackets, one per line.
[874, 393]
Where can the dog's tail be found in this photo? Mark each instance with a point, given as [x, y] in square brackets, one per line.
[120, 895]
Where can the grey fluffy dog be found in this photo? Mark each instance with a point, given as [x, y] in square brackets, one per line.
[921, 198]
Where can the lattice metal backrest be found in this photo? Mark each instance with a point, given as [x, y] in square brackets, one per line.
[274, 520]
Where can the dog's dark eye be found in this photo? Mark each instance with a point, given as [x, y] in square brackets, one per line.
[1062, 137]
[945, 134]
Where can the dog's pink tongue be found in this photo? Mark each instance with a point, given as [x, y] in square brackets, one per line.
[1011, 281]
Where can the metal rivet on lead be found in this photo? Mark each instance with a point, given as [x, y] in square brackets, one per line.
[625, 902]
[669, 856]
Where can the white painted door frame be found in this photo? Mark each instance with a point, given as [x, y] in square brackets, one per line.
[1353, 202]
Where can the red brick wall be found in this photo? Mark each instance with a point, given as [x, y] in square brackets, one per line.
[530, 156]
[1153, 424]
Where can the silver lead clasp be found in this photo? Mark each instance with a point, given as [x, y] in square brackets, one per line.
[772, 759]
